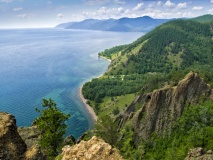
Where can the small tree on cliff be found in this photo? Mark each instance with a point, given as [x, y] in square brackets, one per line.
[51, 123]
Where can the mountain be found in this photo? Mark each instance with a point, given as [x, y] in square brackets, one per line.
[152, 94]
[204, 18]
[174, 45]
[140, 24]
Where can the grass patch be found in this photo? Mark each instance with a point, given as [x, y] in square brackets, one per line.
[111, 103]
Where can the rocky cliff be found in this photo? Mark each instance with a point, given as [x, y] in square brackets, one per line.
[94, 149]
[11, 144]
[160, 109]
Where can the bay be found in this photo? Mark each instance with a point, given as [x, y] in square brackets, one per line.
[52, 63]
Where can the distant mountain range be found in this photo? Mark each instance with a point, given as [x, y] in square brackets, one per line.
[140, 24]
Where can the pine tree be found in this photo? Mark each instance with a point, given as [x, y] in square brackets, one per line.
[51, 123]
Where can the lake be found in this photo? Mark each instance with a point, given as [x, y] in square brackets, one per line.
[52, 63]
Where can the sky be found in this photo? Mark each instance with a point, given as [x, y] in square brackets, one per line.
[49, 13]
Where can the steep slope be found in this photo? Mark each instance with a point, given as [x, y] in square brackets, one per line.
[140, 24]
[160, 117]
[163, 106]
[175, 45]
[163, 55]
[168, 121]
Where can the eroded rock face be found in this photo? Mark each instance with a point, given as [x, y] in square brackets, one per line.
[165, 105]
[161, 108]
[12, 146]
[94, 149]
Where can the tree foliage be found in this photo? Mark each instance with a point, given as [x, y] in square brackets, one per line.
[51, 123]
[161, 57]
[107, 129]
[193, 129]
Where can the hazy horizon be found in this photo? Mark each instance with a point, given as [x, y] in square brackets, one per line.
[49, 13]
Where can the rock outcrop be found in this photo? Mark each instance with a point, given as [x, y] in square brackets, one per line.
[165, 105]
[94, 149]
[160, 109]
[31, 135]
[198, 154]
[12, 147]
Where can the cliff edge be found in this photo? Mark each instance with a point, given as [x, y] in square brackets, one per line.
[94, 149]
[160, 109]
[11, 144]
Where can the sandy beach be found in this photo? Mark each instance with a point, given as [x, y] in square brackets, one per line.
[105, 58]
[89, 108]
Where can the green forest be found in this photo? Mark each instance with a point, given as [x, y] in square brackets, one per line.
[161, 57]
[172, 48]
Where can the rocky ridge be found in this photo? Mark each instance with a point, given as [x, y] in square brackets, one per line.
[12, 146]
[160, 109]
[94, 149]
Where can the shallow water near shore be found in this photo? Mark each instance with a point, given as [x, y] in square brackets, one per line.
[52, 63]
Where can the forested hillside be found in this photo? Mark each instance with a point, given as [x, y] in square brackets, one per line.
[159, 59]
[166, 53]
[204, 18]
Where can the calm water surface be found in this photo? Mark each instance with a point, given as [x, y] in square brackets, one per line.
[52, 63]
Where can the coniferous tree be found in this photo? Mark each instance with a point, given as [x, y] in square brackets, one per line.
[51, 123]
[106, 129]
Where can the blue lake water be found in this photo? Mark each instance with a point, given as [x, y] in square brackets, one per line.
[52, 63]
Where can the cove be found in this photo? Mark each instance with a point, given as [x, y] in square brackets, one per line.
[52, 63]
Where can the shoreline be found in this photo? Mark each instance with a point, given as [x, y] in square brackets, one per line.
[88, 107]
[105, 58]
[84, 100]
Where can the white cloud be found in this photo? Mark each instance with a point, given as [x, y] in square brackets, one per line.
[110, 11]
[169, 4]
[198, 8]
[104, 13]
[6, 1]
[211, 1]
[211, 11]
[60, 15]
[17, 9]
[22, 16]
[182, 5]
[138, 7]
